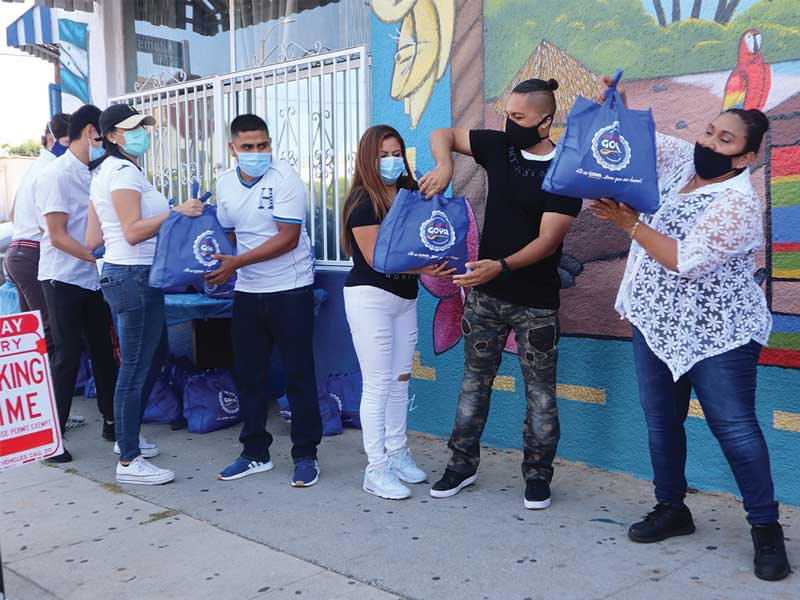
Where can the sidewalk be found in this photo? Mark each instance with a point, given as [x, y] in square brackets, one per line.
[72, 533]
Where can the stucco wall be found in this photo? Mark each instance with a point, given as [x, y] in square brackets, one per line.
[687, 72]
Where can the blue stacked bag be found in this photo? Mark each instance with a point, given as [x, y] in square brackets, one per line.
[417, 232]
[345, 389]
[607, 151]
[210, 401]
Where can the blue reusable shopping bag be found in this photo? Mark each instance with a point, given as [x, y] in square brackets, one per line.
[163, 405]
[607, 151]
[417, 232]
[345, 390]
[184, 250]
[210, 401]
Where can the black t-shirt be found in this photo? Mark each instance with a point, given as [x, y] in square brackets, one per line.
[404, 286]
[515, 204]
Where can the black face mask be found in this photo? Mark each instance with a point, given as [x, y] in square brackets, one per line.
[709, 164]
[524, 137]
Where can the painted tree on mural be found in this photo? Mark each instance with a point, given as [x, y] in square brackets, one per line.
[723, 14]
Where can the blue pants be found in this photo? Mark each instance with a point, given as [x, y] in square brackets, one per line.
[142, 330]
[260, 322]
[726, 388]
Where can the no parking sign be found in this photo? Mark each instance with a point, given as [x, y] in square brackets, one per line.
[29, 428]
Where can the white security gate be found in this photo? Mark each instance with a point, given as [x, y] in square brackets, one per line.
[316, 109]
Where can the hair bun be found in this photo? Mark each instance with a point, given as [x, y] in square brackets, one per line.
[553, 84]
[760, 118]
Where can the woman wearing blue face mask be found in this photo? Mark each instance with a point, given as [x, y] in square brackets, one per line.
[382, 314]
[125, 213]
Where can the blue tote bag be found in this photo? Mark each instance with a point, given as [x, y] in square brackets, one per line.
[184, 250]
[417, 232]
[345, 390]
[210, 401]
[607, 151]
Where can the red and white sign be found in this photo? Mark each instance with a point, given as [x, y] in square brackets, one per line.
[29, 429]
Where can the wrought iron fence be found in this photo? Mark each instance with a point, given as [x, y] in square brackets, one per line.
[316, 108]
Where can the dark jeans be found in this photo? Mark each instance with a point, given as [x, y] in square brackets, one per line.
[22, 264]
[285, 319]
[486, 324]
[77, 314]
[726, 388]
[142, 331]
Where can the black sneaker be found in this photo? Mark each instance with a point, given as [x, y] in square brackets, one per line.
[537, 494]
[451, 483]
[64, 457]
[771, 563]
[665, 521]
[108, 432]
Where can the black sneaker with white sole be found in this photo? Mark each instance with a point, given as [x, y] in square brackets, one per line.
[451, 483]
[537, 494]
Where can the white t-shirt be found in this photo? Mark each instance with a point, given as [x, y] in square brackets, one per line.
[119, 174]
[63, 187]
[253, 212]
[26, 225]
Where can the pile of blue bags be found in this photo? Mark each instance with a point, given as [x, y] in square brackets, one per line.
[339, 402]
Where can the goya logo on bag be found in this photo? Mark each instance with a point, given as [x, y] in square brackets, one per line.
[205, 247]
[437, 233]
[229, 402]
[610, 149]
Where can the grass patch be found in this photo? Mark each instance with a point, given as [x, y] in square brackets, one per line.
[112, 487]
[164, 514]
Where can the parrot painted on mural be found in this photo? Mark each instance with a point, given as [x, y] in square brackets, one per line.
[749, 83]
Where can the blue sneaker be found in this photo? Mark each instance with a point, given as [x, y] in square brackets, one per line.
[306, 472]
[242, 467]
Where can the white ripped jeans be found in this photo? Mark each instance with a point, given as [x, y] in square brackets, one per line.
[384, 330]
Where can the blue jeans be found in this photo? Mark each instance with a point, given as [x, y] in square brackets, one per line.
[142, 330]
[726, 388]
[286, 320]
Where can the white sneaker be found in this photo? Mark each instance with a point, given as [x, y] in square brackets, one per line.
[147, 449]
[405, 468]
[382, 481]
[142, 471]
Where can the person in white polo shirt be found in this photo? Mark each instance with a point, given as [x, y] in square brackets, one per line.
[125, 214]
[264, 203]
[22, 258]
[69, 277]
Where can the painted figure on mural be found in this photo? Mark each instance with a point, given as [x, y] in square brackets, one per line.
[749, 82]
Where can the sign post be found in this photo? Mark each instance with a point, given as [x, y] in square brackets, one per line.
[29, 427]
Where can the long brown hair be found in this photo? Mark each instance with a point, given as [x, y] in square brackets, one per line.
[367, 179]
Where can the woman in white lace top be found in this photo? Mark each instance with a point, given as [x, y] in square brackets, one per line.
[699, 321]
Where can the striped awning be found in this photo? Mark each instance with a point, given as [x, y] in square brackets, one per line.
[35, 32]
[68, 5]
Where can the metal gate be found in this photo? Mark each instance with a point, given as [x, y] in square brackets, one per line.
[316, 109]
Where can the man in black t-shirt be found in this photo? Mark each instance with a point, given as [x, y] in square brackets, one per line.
[514, 285]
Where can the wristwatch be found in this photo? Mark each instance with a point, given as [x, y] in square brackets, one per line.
[506, 269]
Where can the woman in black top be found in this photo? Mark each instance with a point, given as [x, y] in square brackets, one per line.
[382, 313]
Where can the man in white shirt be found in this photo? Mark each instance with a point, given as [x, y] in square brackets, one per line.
[69, 277]
[264, 204]
[22, 258]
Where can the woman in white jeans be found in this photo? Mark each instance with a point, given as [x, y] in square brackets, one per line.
[382, 313]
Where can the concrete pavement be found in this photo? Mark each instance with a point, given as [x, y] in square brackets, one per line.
[70, 532]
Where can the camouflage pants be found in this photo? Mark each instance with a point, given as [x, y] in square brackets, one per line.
[486, 324]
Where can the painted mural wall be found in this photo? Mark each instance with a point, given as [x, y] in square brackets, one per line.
[454, 62]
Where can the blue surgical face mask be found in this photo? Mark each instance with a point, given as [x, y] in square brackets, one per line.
[137, 141]
[96, 153]
[58, 148]
[391, 169]
[254, 164]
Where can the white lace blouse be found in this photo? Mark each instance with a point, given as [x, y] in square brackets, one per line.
[712, 304]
